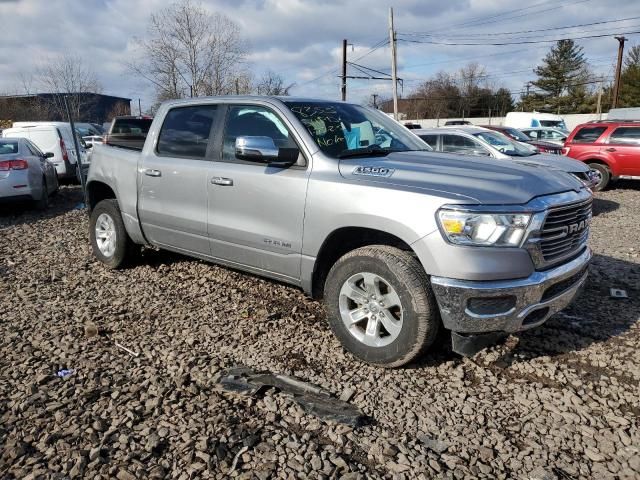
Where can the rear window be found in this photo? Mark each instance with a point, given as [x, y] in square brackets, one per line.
[588, 134]
[626, 135]
[8, 147]
[185, 131]
[432, 140]
[132, 126]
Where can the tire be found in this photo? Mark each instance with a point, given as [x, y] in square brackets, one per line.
[415, 321]
[43, 202]
[605, 176]
[114, 247]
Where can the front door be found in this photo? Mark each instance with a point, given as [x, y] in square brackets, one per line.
[624, 145]
[256, 211]
[174, 188]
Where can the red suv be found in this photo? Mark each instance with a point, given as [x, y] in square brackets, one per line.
[611, 147]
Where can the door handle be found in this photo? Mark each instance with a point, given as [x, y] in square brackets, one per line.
[226, 182]
[610, 149]
[152, 172]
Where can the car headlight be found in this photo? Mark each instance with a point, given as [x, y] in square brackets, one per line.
[483, 229]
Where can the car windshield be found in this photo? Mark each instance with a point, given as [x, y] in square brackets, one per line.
[553, 124]
[8, 147]
[345, 130]
[517, 134]
[503, 144]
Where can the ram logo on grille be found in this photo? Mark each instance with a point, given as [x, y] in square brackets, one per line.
[576, 227]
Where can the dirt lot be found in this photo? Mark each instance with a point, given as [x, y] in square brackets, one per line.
[561, 401]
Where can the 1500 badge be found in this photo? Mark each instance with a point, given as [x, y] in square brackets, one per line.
[373, 171]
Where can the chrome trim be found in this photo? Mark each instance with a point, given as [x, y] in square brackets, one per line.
[452, 296]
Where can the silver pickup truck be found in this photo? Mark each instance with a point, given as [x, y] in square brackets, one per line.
[347, 204]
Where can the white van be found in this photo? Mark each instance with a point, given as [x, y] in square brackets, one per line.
[54, 137]
[534, 119]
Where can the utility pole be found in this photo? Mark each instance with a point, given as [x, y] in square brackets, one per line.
[375, 100]
[616, 87]
[528, 87]
[394, 65]
[343, 85]
[139, 107]
[599, 105]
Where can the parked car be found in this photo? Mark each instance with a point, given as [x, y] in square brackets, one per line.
[54, 137]
[449, 123]
[551, 135]
[399, 240]
[612, 147]
[87, 129]
[478, 141]
[26, 173]
[518, 136]
[522, 120]
[128, 131]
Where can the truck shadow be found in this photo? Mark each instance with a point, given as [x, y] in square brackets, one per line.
[594, 317]
[625, 184]
[68, 198]
[602, 206]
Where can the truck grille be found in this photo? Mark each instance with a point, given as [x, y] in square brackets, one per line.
[565, 230]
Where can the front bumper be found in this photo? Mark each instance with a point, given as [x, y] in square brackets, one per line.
[473, 307]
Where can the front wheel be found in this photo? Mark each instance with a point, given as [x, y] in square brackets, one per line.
[380, 305]
[605, 176]
[109, 239]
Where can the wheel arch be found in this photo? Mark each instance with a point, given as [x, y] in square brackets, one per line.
[98, 191]
[343, 240]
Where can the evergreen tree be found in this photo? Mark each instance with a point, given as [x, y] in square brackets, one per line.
[630, 79]
[562, 69]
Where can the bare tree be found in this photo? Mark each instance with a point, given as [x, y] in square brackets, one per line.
[190, 52]
[67, 76]
[272, 83]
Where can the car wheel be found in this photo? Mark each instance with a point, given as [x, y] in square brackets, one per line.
[43, 202]
[380, 305]
[605, 176]
[109, 239]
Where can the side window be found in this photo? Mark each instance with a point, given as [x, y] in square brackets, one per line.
[626, 135]
[432, 140]
[588, 134]
[459, 144]
[533, 134]
[32, 150]
[253, 121]
[557, 135]
[185, 131]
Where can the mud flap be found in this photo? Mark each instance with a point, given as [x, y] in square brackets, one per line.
[469, 345]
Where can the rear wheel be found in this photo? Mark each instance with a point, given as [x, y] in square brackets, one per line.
[43, 202]
[605, 176]
[380, 305]
[109, 239]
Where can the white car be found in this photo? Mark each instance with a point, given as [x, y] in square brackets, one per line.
[54, 137]
[553, 135]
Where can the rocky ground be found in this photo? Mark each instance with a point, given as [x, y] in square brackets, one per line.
[561, 401]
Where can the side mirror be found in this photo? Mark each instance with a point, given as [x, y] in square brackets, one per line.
[263, 149]
[49, 155]
[88, 145]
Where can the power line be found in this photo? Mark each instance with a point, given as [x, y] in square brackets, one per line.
[517, 42]
[530, 31]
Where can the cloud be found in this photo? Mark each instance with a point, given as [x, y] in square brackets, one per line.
[301, 39]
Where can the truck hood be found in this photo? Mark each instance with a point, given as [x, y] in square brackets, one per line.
[558, 162]
[470, 179]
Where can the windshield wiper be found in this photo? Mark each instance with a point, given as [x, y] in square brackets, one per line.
[364, 151]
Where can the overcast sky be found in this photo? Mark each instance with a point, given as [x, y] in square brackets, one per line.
[301, 39]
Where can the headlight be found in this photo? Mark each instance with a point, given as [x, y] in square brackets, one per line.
[484, 229]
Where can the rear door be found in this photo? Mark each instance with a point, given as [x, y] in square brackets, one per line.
[624, 145]
[173, 175]
[256, 211]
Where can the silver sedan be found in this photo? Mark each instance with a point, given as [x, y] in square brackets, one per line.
[26, 173]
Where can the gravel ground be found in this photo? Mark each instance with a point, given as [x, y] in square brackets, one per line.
[561, 401]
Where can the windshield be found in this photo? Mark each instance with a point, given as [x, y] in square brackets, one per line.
[517, 134]
[8, 147]
[554, 124]
[343, 129]
[503, 144]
